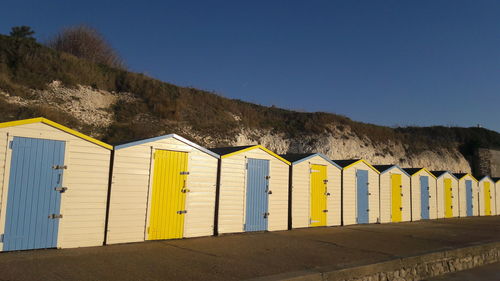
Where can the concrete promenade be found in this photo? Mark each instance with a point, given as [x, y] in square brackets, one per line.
[251, 255]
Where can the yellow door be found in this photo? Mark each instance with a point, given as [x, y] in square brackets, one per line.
[487, 199]
[168, 195]
[396, 198]
[318, 195]
[448, 208]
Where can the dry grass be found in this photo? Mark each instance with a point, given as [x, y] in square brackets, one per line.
[25, 65]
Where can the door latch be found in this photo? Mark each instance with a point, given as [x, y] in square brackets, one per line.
[327, 194]
[266, 215]
[182, 212]
[184, 173]
[325, 211]
[60, 189]
[270, 192]
[59, 167]
[325, 181]
[55, 216]
[185, 190]
[268, 177]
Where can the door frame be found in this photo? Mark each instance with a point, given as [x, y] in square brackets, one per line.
[428, 198]
[401, 196]
[367, 196]
[4, 188]
[310, 194]
[245, 191]
[153, 148]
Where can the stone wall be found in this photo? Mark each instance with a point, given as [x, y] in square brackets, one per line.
[486, 162]
[412, 268]
[422, 267]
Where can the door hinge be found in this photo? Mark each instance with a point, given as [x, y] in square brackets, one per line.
[11, 144]
[60, 167]
[55, 216]
[182, 212]
[184, 173]
[1, 237]
[61, 189]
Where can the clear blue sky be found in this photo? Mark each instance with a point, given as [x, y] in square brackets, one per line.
[395, 62]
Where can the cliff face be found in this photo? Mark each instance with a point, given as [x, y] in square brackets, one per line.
[345, 145]
[94, 109]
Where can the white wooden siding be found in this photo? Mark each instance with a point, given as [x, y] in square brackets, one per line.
[301, 192]
[386, 195]
[131, 188]
[83, 205]
[349, 190]
[233, 192]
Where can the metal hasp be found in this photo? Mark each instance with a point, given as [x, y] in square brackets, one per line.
[55, 216]
[60, 189]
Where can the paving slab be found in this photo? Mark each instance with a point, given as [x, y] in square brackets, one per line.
[250, 255]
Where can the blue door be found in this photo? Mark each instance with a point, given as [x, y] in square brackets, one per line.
[257, 195]
[468, 197]
[362, 196]
[34, 197]
[424, 197]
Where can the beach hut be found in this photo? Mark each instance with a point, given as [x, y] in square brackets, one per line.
[252, 190]
[467, 195]
[447, 194]
[162, 188]
[315, 190]
[487, 197]
[497, 194]
[53, 186]
[395, 194]
[423, 194]
[360, 192]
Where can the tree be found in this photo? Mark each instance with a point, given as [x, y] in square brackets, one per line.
[22, 32]
[86, 42]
